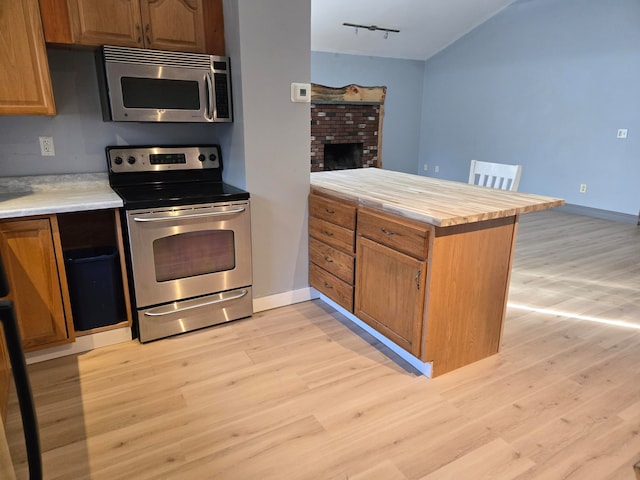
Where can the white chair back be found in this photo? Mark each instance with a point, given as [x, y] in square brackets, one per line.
[495, 175]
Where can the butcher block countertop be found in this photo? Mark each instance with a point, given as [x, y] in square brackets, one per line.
[441, 203]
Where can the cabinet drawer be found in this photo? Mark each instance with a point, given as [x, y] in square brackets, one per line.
[334, 261]
[395, 232]
[340, 213]
[334, 288]
[338, 237]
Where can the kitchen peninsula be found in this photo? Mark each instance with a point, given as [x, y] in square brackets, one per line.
[419, 261]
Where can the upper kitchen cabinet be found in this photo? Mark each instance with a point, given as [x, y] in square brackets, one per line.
[177, 25]
[25, 84]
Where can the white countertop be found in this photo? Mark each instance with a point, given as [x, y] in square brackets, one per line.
[49, 194]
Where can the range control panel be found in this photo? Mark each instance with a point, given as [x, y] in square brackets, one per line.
[168, 158]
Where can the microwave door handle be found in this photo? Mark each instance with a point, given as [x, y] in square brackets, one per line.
[193, 215]
[209, 86]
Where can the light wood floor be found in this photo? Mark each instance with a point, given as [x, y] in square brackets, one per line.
[299, 393]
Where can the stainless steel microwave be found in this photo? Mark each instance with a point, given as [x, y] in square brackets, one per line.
[142, 85]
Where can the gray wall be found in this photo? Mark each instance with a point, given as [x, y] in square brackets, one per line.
[274, 51]
[403, 104]
[545, 83]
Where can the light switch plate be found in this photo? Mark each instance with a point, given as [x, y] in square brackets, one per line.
[301, 92]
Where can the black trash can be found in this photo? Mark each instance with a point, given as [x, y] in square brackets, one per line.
[95, 287]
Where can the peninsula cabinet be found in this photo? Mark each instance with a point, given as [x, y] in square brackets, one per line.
[25, 83]
[391, 276]
[33, 259]
[177, 25]
[332, 248]
[439, 293]
[432, 260]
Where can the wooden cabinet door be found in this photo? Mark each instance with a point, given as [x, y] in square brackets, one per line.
[173, 25]
[29, 256]
[389, 295]
[25, 84]
[106, 22]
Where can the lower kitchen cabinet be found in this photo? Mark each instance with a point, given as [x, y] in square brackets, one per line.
[33, 250]
[437, 292]
[32, 255]
[389, 293]
[331, 248]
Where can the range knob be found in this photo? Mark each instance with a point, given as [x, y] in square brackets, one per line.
[117, 160]
[202, 157]
[131, 160]
[213, 157]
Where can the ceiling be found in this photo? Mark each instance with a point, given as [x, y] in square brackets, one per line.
[426, 26]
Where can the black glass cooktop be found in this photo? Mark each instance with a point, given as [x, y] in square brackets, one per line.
[186, 193]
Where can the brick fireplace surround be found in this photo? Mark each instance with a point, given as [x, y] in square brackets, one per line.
[346, 115]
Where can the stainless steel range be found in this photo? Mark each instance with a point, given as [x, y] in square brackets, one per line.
[189, 238]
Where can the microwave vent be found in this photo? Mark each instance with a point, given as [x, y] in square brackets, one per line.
[141, 56]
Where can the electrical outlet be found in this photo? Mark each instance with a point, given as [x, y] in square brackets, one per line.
[583, 188]
[425, 167]
[47, 149]
[437, 169]
[622, 133]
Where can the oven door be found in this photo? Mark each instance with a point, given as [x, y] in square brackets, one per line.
[184, 252]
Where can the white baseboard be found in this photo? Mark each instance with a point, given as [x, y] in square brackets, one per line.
[283, 299]
[82, 344]
[424, 368]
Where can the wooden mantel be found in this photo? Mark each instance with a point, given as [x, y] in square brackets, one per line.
[348, 94]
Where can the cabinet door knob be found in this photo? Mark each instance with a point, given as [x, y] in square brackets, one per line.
[139, 33]
[328, 259]
[328, 233]
[388, 232]
[327, 285]
[418, 280]
[329, 211]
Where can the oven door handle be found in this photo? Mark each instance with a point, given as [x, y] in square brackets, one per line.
[192, 215]
[168, 310]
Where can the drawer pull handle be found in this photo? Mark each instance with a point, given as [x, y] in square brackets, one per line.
[327, 285]
[329, 211]
[328, 233]
[418, 280]
[388, 232]
[328, 259]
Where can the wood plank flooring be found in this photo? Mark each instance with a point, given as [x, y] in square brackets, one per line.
[300, 393]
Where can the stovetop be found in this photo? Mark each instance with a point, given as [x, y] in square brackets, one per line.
[167, 195]
[167, 176]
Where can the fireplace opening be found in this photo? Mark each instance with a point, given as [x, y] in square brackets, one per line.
[342, 156]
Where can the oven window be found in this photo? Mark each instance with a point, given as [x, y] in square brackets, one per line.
[194, 253]
[160, 93]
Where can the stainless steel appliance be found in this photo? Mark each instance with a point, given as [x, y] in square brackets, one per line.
[142, 85]
[189, 238]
